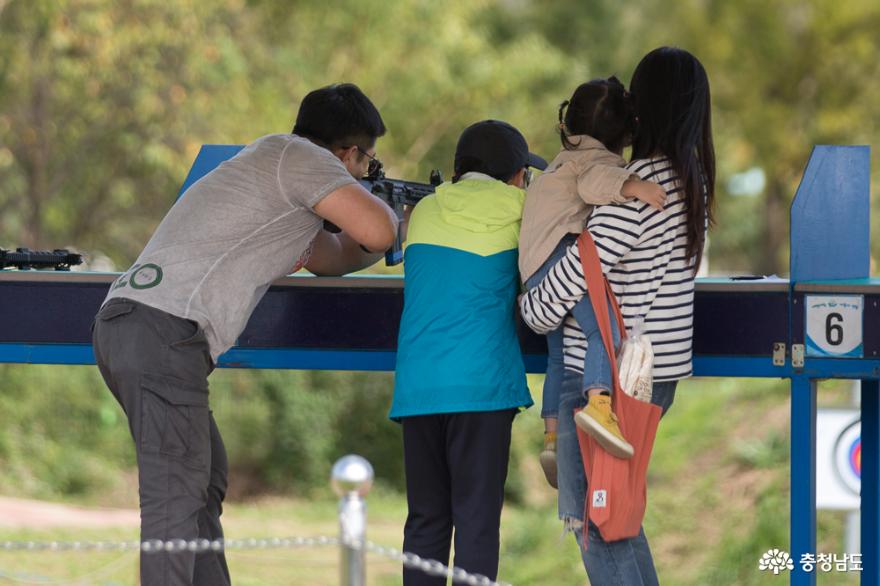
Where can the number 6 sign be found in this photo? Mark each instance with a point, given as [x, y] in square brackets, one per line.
[834, 326]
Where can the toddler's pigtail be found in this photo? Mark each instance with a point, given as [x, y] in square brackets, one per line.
[566, 144]
[613, 81]
[562, 107]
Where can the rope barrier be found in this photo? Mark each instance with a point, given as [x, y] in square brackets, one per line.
[153, 546]
[352, 477]
[171, 545]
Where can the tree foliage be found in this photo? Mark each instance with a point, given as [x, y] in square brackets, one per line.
[785, 77]
[103, 105]
[100, 105]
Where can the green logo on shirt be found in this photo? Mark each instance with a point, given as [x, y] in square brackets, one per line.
[144, 276]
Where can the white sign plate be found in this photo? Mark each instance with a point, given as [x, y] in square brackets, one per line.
[834, 326]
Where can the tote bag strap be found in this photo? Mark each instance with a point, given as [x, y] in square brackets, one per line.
[600, 292]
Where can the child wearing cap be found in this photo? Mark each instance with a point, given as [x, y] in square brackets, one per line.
[460, 377]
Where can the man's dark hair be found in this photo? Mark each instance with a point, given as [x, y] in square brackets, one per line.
[339, 115]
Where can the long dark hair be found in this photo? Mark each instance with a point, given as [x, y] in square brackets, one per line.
[600, 108]
[670, 91]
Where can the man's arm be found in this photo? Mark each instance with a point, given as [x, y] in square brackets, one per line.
[361, 215]
[365, 221]
[338, 254]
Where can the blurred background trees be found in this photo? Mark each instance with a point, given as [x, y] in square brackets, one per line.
[103, 105]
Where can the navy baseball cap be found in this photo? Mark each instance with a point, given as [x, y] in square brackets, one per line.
[500, 149]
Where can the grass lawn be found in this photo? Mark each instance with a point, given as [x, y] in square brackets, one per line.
[718, 499]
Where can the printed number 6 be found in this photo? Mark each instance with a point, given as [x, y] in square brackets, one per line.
[833, 329]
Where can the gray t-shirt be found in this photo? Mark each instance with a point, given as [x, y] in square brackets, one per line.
[237, 229]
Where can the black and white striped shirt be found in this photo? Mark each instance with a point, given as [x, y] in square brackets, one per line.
[643, 253]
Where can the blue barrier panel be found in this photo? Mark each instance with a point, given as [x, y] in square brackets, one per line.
[831, 216]
[209, 157]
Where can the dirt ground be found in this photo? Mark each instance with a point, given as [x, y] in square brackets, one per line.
[39, 514]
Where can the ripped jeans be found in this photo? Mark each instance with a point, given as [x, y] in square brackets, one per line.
[627, 562]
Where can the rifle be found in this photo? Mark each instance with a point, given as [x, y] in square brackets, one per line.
[397, 193]
[23, 259]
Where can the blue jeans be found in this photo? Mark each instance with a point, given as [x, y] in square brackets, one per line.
[597, 368]
[627, 562]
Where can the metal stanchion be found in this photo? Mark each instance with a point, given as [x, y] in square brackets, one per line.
[352, 478]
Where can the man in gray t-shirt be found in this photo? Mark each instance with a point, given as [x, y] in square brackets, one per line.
[255, 218]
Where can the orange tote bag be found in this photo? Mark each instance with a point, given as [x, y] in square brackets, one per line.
[616, 489]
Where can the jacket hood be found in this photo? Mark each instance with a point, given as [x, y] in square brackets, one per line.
[480, 205]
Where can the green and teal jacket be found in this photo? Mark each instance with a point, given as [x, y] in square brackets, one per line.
[458, 349]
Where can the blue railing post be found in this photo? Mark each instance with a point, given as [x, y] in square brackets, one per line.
[870, 510]
[830, 240]
[803, 476]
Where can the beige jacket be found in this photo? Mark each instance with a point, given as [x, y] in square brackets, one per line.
[560, 199]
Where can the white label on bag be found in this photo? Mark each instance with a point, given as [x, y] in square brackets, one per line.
[600, 499]
[834, 325]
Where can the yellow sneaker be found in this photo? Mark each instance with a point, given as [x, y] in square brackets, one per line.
[548, 458]
[598, 420]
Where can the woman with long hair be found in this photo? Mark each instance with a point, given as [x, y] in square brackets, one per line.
[651, 258]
